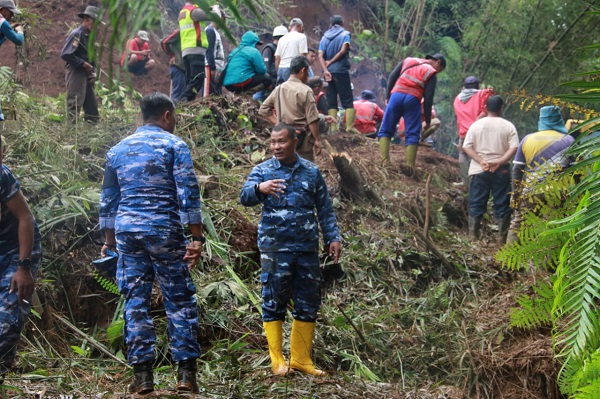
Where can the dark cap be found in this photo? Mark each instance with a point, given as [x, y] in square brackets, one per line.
[90, 11]
[316, 81]
[437, 57]
[471, 82]
[337, 20]
[368, 95]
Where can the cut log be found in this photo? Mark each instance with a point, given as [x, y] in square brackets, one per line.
[353, 185]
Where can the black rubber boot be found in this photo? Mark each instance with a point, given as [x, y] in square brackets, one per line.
[186, 376]
[143, 379]
[474, 227]
[503, 226]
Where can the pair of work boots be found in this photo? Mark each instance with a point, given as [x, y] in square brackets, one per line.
[143, 377]
[475, 228]
[300, 348]
[350, 118]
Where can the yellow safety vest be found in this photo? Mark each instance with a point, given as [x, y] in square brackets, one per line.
[191, 32]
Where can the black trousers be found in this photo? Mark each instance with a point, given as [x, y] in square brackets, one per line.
[341, 86]
[194, 76]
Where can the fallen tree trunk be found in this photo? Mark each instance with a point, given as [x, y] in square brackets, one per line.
[352, 184]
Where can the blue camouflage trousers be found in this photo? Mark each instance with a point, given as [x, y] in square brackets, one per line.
[290, 275]
[142, 259]
[12, 314]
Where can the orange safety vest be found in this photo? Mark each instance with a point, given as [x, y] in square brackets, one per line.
[365, 113]
[414, 76]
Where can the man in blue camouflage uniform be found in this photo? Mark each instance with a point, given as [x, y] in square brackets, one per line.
[291, 189]
[149, 192]
[20, 256]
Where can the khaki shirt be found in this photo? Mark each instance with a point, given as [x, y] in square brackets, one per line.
[298, 106]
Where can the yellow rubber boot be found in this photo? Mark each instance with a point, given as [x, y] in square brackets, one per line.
[350, 118]
[301, 346]
[384, 150]
[274, 332]
[411, 155]
[333, 127]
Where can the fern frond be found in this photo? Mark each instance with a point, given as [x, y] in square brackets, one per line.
[105, 283]
[535, 311]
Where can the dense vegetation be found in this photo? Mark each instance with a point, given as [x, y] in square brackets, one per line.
[415, 314]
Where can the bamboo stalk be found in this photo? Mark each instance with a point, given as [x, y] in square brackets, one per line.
[89, 339]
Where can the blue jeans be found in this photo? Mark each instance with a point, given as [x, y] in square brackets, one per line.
[290, 275]
[178, 83]
[283, 74]
[407, 106]
[480, 186]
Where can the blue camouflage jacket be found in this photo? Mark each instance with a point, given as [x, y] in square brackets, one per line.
[289, 223]
[149, 184]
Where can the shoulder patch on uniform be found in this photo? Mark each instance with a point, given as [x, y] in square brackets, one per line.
[75, 42]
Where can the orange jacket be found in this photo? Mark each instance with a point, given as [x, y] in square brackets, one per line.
[367, 116]
[413, 77]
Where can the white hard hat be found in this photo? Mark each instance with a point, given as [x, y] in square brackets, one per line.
[279, 31]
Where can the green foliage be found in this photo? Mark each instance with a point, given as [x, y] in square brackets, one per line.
[536, 310]
[105, 283]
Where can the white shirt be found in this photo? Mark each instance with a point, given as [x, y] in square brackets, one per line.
[491, 137]
[290, 45]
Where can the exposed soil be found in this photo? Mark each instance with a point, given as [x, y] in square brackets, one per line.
[39, 68]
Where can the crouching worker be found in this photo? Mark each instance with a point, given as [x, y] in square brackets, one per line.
[150, 191]
[294, 198]
[20, 255]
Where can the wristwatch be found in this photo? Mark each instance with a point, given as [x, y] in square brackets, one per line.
[25, 263]
[202, 239]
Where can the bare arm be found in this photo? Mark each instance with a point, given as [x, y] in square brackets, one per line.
[22, 280]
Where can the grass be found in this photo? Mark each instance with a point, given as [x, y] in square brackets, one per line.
[396, 324]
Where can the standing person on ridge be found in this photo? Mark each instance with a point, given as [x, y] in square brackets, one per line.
[413, 79]
[150, 191]
[291, 45]
[192, 23]
[80, 71]
[215, 55]
[295, 202]
[268, 54]
[490, 142]
[334, 56]
[469, 106]
[171, 45]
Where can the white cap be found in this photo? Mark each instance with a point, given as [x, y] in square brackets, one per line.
[279, 31]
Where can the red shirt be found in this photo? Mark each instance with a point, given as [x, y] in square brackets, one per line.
[467, 113]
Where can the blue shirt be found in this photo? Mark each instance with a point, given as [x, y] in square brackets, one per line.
[289, 223]
[332, 42]
[9, 224]
[149, 184]
[7, 32]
